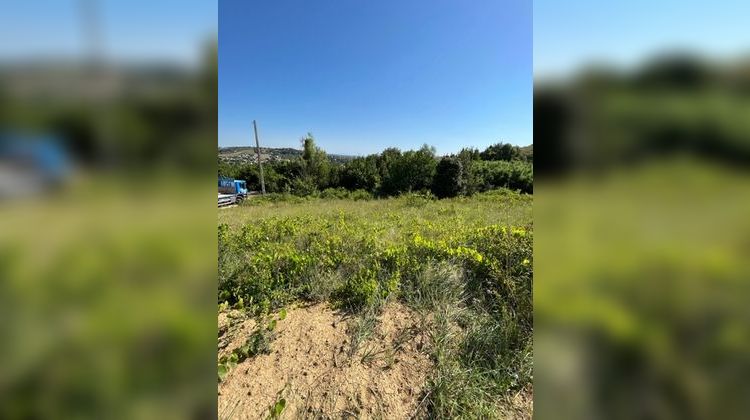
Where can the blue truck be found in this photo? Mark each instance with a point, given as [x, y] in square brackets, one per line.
[231, 191]
[32, 165]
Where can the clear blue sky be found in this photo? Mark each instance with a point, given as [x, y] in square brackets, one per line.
[363, 75]
[569, 34]
[134, 30]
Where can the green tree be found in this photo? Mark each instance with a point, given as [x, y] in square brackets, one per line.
[449, 180]
[468, 157]
[411, 171]
[501, 151]
[386, 161]
[250, 173]
[316, 168]
[469, 154]
[361, 173]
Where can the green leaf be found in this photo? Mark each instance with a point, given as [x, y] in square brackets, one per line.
[223, 370]
[278, 407]
[282, 314]
[244, 352]
[272, 325]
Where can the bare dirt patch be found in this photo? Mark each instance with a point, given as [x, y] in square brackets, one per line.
[312, 366]
[234, 327]
[519, 405]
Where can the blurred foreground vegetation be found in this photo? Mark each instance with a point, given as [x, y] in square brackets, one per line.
[642, 203]
[107, 298]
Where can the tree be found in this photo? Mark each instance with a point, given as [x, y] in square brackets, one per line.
[386, 161]
[449, 178]
[226, 169]
[250, 173]
[501, 151]
[468, 157]
[410, 171]
[361, 173]
[469, 154]
[315, 164]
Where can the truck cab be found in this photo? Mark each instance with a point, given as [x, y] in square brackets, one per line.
[32, 165]
[240, 188]
[231, 191]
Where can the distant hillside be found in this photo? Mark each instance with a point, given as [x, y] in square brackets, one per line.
[244, 155]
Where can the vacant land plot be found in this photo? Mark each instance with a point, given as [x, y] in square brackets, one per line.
[400, 308]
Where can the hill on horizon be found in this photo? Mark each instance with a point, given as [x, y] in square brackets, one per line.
[247, 154]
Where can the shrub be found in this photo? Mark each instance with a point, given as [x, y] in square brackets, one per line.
[515, 175]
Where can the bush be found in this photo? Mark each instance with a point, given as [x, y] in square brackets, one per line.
[343, 194]
[339, 193]
[360, 195]
[515, 175]
[303, 187]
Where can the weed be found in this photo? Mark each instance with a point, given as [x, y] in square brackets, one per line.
[440, 284]
[259, 342]
[361, 327]
[275, 410]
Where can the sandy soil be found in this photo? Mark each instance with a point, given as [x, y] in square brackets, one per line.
[312, 367]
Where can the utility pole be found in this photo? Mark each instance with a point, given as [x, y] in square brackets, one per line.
[260, 164]
[92, 31]
[100, 83]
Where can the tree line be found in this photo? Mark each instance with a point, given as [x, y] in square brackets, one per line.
[670, 106]
[393, 172]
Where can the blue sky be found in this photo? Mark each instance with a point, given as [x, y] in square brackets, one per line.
[364, 75]
[134, 30]
[624, 33]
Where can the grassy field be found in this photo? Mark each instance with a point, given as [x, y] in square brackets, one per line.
[461, 268]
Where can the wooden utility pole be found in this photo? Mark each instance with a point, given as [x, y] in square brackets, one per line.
[260, 164]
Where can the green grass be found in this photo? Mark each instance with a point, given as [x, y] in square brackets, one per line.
[464, 264]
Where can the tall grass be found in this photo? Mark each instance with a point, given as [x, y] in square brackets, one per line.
[479, 356]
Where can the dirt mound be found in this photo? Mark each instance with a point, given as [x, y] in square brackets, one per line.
[326, 365]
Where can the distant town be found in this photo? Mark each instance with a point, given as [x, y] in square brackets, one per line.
[245, 155]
